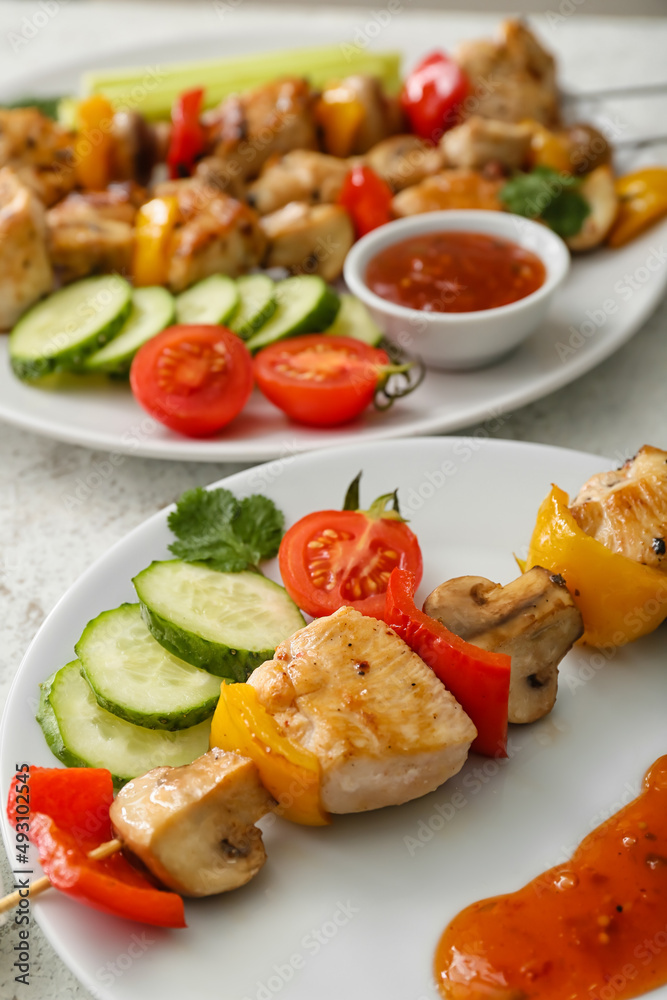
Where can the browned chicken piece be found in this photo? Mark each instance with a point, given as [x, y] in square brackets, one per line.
[404, 160]
[626, 509]
[216, 234]
[222, 175]
[449, 189]
[193, 826]
[377, 115]
[246, 130]
[83, 240]
[118, 202]
[25, 268]
[308, 239]
[479, 141]
[384, 729]
[533, 619]
[513, 78]
[136, 147]
[302, 175]
[599, 190]
[39, 150]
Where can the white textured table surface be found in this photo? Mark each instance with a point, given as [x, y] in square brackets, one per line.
[44, 546]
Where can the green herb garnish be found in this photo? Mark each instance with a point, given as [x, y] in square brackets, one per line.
[230, 535]
[548, 195]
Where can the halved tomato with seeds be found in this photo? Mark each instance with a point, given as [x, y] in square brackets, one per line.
[194, 379]
[334, 558]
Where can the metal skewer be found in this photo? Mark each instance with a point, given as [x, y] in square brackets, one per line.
[615, 93]
[42, 884]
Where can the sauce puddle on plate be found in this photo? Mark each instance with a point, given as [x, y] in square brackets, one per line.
[454, 272]
[594, 928]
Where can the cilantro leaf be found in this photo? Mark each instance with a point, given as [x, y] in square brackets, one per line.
[212, 526]
[548, 195]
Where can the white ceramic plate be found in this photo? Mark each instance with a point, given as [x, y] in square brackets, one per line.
[376, 889]
[104, 416]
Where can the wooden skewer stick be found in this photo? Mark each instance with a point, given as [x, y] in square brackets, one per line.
[41, 884]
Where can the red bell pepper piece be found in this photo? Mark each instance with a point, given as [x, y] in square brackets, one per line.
[68, 816]
[367, 199]
[187, 134]
[432, 95]
[479, 680]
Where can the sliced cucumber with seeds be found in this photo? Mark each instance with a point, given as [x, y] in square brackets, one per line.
[305, 304]
[61, 331]
[227, 623]
[81, 734]
[137, 679]
[354, 320]
[257, 303]
[153, 309]
[212, 300]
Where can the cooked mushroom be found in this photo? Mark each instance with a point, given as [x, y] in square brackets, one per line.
[404, 160]
[193, 826]
[599, 191]
[479, 141]
[302, 175]
[626, 509]
[135, 149]
[589, 148]
[308, 239]
[25, 269]
[533, 619]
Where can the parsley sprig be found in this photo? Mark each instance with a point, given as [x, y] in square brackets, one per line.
[548, 195]
[230, 535]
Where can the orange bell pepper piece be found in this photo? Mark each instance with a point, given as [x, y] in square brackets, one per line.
[155, 224]
[94, 144]
[548, 149]
[619, 599]
[290, 773]
[642, 201]
[340, 113]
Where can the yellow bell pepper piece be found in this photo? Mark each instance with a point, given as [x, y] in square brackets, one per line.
[290, 773]
[642, 201]
[154, 228]
[340, 113]
[548, 149]
[94, 142]
[619, 599]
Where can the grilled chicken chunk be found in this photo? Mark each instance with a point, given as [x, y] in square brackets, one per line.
[479, 141]
[626, 509]
[512, 79]
[308, 239]
[362, 100]
[83, 240]
[216, 234]
[404, 160]
[25, 268]
[39, 150]
[246, 130]
[302, 175]
[383, 727]
[118, 202]
[533, 619]
[193, 826]
[449, 189]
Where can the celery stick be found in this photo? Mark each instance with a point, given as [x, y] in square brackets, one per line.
[153, 93]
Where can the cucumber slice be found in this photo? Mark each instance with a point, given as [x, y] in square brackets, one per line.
[212, 300]
[305, 304]
[227, 623]
[134, 677]
[60, 331]
[153, 309]
[354, 320]
[257, 303]
[81, 734]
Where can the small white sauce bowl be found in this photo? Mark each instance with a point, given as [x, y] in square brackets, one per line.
[465, 340]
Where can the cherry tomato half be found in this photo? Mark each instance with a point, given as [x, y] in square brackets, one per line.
[319, 379]
[367, 199]
[334, 558]
[432, 94]
[193, 379]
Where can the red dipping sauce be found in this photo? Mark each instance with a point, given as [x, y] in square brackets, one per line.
[594, 928]
[454, 272]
